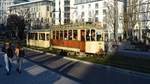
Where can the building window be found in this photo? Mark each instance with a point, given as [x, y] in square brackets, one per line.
[89, 5]
[82, 14]
[67, 9]
[66, 2]
[82, 19]
[47, 8]
[90, 14]
[96, 19]
[96, 12]
[104, 11]
[90, 20]
[82, 6]
[96, 5]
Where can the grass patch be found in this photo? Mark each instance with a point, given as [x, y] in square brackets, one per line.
[131, 63]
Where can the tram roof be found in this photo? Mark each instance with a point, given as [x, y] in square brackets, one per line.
[77, 26]
[39, 30]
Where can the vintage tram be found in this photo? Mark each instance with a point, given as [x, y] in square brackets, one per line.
[86, 38]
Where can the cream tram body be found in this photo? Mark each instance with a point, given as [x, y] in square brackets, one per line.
[38, 38]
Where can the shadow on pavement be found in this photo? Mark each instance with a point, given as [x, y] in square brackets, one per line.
[84, 73]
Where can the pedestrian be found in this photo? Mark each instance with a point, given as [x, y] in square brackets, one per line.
[2, 49]
[7, 49]
[19, 51]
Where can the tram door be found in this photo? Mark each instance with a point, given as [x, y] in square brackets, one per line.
[82, 42]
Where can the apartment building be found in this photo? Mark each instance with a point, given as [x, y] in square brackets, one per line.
[62, 11]
[4, 4]
[38, 13]
[103, 12]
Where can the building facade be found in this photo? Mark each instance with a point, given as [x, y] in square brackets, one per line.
[37, 13]
[103, 12]
[62, 11]
[4, 4]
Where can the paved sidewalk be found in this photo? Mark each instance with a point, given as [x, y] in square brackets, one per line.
[85, 72]
[32, 74]
[130, 53]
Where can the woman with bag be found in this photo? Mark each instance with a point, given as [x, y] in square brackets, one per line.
[19, 51]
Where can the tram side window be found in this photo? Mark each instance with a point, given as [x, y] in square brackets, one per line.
[75, 35]
[61, 35]
[35, 37]
[30, 36]
[98, 37]
[57, 35]
[54, 35]
[82, 35]
[65, 34]
[47, 36]
[70, 35]
[92, 35]
[88, 35]
[41, 36]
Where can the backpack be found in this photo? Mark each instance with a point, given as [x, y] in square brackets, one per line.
[21, 52]
[10, 52]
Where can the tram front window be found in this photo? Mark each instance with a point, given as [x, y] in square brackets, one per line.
[88, 35]
[92, 35]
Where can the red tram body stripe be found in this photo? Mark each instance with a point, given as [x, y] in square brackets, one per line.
[69, 43]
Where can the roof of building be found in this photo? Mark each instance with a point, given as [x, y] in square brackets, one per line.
[30, 2]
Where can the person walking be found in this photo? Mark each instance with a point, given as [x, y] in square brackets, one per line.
[7, 49]
[4, 51]
[19, 51]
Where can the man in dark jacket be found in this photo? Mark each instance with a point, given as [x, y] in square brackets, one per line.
[7, 49]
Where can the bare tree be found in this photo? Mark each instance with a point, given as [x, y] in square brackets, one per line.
[137, 14]
[112, 17]
[132, 16]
